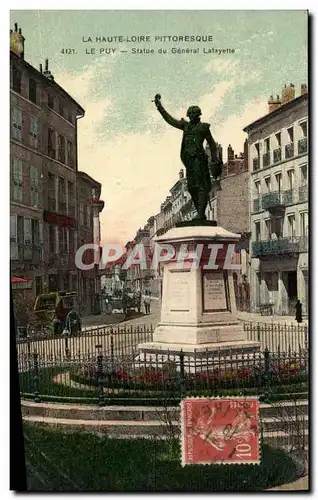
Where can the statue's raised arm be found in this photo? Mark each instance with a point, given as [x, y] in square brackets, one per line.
[165, 115]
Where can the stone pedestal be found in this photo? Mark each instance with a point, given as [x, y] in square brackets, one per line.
[198, 313]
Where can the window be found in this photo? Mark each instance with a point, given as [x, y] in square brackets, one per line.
[52, 239]
[16, 128]
[257, 148]
[17, 180]
[291, 225]
[278, 137]
[278, 178]
[85, 216]
[62, 195]
[303, 175]
[50, 101]
[268, 229]
[71, 236]
[304, 224]
[257, 188]
[27, 234]
[290, 132]
[70, 117]
[34, 186]
[63, 243]
[16, 79]
[33, 132]
[61, 149]
[13, 238]
[51, 193]
[267, 145]
[35, 232]
[268, 184]
[290, 176]
[71, 199]
[70, 158]
[61, 108]
[51, 143]
[304, 129]
[32, 90]
[81, 214]
[278, 226]
[257, 231]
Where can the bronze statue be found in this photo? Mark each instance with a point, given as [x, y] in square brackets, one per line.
[193, 155]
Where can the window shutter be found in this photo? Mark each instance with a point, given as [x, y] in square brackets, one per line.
[27, 231]
[13, 228]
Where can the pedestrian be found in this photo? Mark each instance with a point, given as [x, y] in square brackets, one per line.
[299, 312]
[147, 301]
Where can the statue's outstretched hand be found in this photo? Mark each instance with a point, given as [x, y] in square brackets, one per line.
[157, 100]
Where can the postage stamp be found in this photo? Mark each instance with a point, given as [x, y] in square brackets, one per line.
[220, 430]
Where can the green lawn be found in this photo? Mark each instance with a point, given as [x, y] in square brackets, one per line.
[68, 462]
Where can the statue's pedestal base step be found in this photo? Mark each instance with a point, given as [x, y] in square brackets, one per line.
[200, 357]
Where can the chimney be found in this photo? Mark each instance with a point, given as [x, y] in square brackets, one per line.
[273, 103]
[17, 41]
[181, 174]
[219, 151]
[47, 72]
[41, 69]
[288, 93]
[230, 153]
[303, 89]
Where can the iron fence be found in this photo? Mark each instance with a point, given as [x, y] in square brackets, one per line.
[278, 337]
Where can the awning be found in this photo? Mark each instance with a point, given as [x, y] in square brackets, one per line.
[20, 283]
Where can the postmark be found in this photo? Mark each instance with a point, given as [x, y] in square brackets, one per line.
[220, 431]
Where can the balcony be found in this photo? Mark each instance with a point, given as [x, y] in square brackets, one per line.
[277, 199]
[62, 261]
[25, 254]
[257, 204]
[302, 146]
[289, 150]
[256, 165]
[277, 155]
[266, 159]
[303, 193]
[282, 246]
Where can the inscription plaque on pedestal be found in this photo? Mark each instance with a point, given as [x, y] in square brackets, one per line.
[179, 291]
[215, 294]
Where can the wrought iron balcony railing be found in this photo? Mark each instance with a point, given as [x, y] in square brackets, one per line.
[266, 159]
[289, 150]
[302, 145]
[280, 246]
[303, 193]
[277, 199]
[256, 165]
[277, 155]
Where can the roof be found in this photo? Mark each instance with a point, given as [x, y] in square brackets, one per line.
[47, 81]
[88, 178]
[275, 112]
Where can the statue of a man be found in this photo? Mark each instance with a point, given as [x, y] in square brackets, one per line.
[193, 155]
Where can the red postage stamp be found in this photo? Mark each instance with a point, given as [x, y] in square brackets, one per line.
[220, 430]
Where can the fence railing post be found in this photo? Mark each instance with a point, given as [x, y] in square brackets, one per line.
[112, 348]
[101, 397]
[36, 378]
[182, 379]
[266, 375]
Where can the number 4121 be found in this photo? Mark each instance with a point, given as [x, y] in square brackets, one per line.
[68, 51]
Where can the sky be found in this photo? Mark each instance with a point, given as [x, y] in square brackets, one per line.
[122, 141]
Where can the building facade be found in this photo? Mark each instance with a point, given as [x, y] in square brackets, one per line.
[44, 208]
[278, 166]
